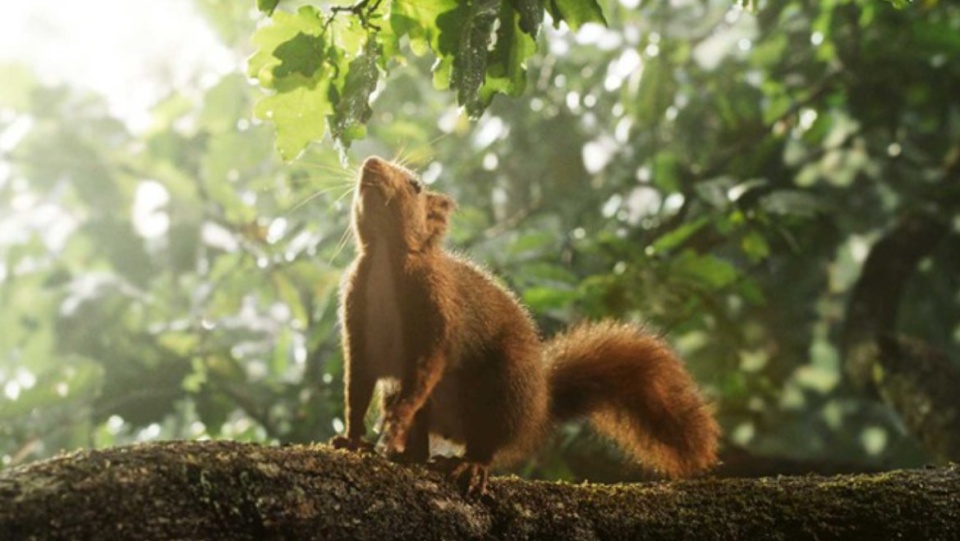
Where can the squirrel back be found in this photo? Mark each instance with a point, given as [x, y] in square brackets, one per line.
[469, 365]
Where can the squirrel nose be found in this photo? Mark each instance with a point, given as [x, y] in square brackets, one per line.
[374, 163]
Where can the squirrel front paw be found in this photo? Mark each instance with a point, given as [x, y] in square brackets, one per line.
[351, 444]
[393, 441]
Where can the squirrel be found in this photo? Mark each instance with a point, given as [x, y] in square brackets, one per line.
[467, 363]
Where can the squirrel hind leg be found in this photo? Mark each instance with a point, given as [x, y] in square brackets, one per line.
[505, 404]
[472, 478]
[471, 471]
[469, 476]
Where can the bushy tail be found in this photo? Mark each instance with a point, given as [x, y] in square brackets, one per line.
[636, 391]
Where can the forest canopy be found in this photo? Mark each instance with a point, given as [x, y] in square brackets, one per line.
[774, 185]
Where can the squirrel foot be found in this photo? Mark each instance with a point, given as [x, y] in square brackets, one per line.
[469, 476]
[351, 444]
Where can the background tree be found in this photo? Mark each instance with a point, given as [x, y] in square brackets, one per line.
[777, 189]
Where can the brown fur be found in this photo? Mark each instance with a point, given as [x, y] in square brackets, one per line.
[468, 359]
[636, 391]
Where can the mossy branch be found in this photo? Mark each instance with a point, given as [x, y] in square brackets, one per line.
[228, 490]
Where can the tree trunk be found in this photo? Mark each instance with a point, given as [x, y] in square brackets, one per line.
[228, 490]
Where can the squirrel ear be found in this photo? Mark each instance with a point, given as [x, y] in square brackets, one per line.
[446, 203]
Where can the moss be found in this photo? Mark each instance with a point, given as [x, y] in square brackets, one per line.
[225, 490]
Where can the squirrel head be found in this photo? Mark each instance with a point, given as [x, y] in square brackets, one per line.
[392, 206]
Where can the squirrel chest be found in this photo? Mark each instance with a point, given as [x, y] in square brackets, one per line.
[382, 315]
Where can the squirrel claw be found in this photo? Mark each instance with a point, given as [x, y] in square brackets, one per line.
[470, 477]
[390, 446]
[350, 444]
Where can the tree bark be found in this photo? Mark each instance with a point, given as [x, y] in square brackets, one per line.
[229, 490]
[916, 380]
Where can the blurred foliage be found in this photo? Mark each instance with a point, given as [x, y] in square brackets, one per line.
[719, 173]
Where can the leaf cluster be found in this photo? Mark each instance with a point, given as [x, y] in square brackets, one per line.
[323, 67]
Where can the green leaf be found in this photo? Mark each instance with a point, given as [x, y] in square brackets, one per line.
[122, 247]
[353, 106]
[900, 4]
[539, 272]
[419, 22]
[755, 246]
[770, 51]
[288, 293]
[289, 59]
[714, 191]
[179, 342]
[532, 242]
[442, 73]
[531, 15]
[349, 35]
[708, 270]
[576, 13]
[168, 110]
[234, 152]
[224, 103]
[214, 407]
[679, 235]
[283, 353]
[778, 104]
[267, 6]
[791, 202]
[541, 299]
[321, 67]
[506, 69]
[283, 27]
[935, 37]
[473, 26]
[657, 89]
[666, 171]
[299, 113]
[303, 54]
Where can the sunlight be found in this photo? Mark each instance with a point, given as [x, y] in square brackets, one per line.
[149, 218]
[123, 50]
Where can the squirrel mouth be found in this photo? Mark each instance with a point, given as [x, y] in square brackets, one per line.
[369, 179]
[371, 188]
[368, 188]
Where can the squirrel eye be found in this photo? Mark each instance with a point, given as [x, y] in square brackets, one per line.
[417, 185]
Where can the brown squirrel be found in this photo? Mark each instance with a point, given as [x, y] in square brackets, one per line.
[466, 360]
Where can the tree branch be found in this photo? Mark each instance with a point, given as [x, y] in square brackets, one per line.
[229, 490]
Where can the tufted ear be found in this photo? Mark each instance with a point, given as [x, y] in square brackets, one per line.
[444, 204]
[439, 209]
